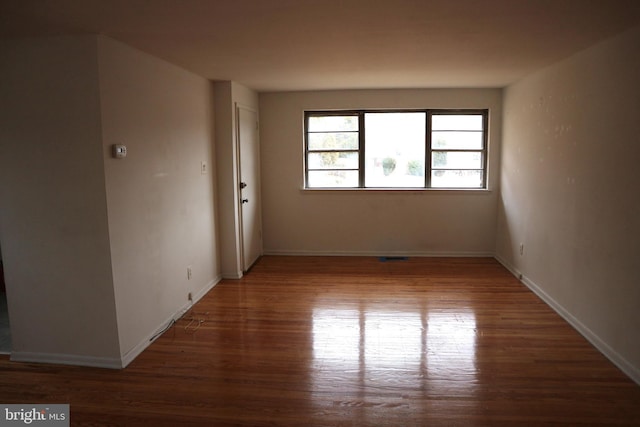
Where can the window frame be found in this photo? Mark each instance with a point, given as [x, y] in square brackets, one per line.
[361, 150]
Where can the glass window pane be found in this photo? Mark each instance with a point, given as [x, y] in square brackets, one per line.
[456, 160]
[333, 160]
[332, 123]
[456, 122]
[457, 140]
[456, 179]
[333, 141]
[329, 179]
[395, 149]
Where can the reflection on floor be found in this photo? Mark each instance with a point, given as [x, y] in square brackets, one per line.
[5, 335]
[351, 341]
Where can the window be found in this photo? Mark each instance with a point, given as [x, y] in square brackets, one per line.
[396, 149]
[333, 150]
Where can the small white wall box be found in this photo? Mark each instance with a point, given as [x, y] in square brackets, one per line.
[119, 151]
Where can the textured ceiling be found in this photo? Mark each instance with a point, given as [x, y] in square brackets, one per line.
[276, 45]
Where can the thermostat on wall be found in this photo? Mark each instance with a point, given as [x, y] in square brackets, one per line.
[119, 151]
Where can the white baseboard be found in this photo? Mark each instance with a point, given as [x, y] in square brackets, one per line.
[105, 362]
[67, 359]
[130, 355]
[381, 253]
[625, 366]
[202, 292]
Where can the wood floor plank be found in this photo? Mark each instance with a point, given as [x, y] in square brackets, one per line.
[351, 341]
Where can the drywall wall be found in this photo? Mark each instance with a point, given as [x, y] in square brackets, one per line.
[53, 212]
[228, 95]
[570, 192]
[160, 204]
[363, 222]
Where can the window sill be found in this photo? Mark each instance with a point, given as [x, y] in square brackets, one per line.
[476, 191]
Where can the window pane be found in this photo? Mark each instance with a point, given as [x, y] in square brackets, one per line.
[333, 141]
[394, 149]
[456, 179]
[333, 160]
[332, 123]
[456, 160]
[457, 140]
[456, 122]
[328, 179]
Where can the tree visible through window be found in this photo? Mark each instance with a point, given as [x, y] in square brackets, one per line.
[396, 149]
[333, 150]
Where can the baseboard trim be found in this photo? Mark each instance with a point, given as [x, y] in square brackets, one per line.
[434, 254]
[111, 363]
[130, 355]
[66, 359]
[623, 364]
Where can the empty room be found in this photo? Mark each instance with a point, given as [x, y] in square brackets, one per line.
[327, 213]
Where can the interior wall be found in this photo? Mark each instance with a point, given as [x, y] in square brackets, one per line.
[160, 205]
[53, 212]
[570, 192]
[365, 222]
[228, 95]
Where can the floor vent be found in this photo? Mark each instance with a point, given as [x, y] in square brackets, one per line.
[393, 258]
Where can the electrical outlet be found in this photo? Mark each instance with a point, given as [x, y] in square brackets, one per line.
[190, 297]
[189, 274]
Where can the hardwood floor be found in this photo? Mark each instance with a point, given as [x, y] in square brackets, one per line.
[306, 341]
[5, 332]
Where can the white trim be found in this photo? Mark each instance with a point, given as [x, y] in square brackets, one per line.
[107, 362]
[448, 191]
[235, 276]
[435, 254]
[130, 355]
[616, 358]
[67, 359]
[202, 292]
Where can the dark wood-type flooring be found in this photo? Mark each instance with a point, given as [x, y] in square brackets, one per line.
[351, 341]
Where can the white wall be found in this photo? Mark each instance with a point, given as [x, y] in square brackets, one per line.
[570, 192]
[160, 205]
[95, 249]
[53, 211]
[228, 95]
[433, 222]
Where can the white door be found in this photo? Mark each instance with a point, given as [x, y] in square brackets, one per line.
[250, 210]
